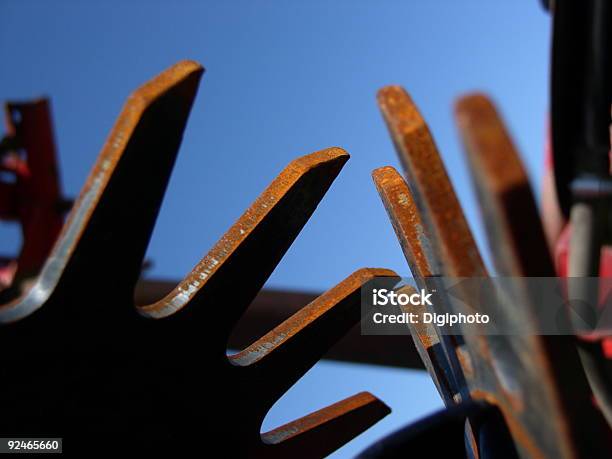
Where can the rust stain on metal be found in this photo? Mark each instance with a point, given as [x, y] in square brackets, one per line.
[348, 291]
[331, 159]
[346, 416]
[406, 220]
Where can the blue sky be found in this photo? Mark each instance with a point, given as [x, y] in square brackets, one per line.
[284, 78]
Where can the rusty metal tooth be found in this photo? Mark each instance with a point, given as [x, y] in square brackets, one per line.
[519, 249]
[273, 363]
[263, 233]
[113, 216]
[406, 221]
[440, 361]
[430, 185]
[310, 435]
[444, 245]
[515, 373]
[272, 306]
[510, 214]
[291, 348]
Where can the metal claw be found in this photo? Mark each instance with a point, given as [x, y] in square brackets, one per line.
[157, 377]
[310, 436]
[291, 348]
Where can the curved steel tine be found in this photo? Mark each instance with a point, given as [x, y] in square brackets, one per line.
[325, 430]
[519, 247]
[108, 229]
[250, 250]
[494, 366]
[510, 214]
[449, 241]
[405, 218]
[433, 192]
[283, 355]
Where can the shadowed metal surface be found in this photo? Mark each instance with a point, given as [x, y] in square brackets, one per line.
[270, 307]
[519, 249]
[156, 377]
[518, 375]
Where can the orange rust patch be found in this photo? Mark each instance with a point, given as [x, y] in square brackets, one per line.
[240, 230]
[405, 218]
[307, 315]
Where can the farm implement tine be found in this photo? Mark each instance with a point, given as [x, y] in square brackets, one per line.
[322, 432]
[509, 211]
[433, 192]
[284, 354]
[410, 232]
[519, 250]
[497, 368]
[250, 250]
[136, 372]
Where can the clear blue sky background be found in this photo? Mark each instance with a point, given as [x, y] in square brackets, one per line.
[284, 78]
